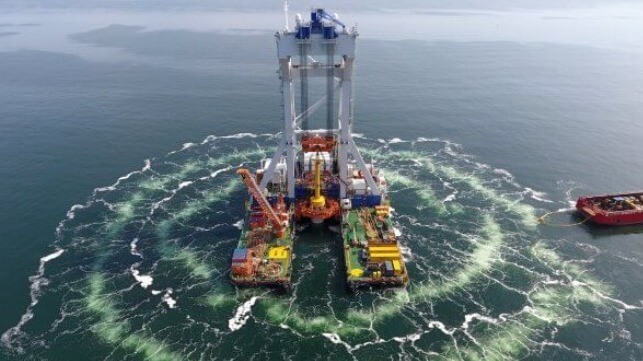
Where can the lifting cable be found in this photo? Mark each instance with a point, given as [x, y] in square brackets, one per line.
[330, 86]
[303, 77]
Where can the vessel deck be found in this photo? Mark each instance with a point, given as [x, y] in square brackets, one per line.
[371, 252]
[261, 257]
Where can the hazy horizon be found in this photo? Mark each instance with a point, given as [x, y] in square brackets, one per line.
[361, 5]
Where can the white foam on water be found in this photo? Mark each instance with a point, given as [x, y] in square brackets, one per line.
[412, 337]
[440, 326]
[71, 212]
[184, 184]
[211, 138]
[424, 139]
[239, 224]
[450, 197]
[37, 282]
[188, 145]
[482, 165]
[148, 165]
[122, 178]
[49, 257]
[132, 248]
[239, 136]
[397, 232]
[476, 316]
[184, 147]
[448, 149]
[167, 298]
[244, 311]
[334, 338]
[550, 281]
[406, 252]
[217, 172]
[504, 172]
[208, 139]
[396, 140]
[241, 316]
[113, 186]
[358, 135]
[156, 205]
[624, 306]
[537, 195]
[144, 280]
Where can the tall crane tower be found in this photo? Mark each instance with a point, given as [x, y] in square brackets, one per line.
[323, 48]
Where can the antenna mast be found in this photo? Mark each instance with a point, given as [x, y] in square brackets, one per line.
[286, 14]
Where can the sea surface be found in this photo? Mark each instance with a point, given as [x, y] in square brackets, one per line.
[121, 127]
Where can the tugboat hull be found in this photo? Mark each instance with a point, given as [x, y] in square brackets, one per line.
[613, 210]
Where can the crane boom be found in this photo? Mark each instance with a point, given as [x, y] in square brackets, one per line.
[250, 182]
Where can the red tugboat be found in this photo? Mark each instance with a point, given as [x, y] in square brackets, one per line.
[613, 210]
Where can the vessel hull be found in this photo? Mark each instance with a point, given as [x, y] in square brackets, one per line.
[372, 254]
[263, 257]
[613, 209]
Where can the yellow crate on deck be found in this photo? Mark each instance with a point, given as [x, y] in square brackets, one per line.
[278, 253]
[383, 249]
[384, 256]
[357, 272]
[397, 266]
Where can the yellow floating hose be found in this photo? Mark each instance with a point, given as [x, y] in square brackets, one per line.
[542, 219]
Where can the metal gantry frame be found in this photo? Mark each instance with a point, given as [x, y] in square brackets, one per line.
[303, 42]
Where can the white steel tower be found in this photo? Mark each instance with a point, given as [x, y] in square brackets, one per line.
[323, 37]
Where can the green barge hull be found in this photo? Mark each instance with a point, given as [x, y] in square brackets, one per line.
[372, 254]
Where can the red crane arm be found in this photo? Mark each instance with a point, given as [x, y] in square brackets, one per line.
[253, 188]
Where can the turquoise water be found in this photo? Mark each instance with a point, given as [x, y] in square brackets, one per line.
[121, 130]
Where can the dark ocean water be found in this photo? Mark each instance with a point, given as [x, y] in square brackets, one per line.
[120, 131]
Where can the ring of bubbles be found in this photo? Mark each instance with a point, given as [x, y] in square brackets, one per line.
[141, 269]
